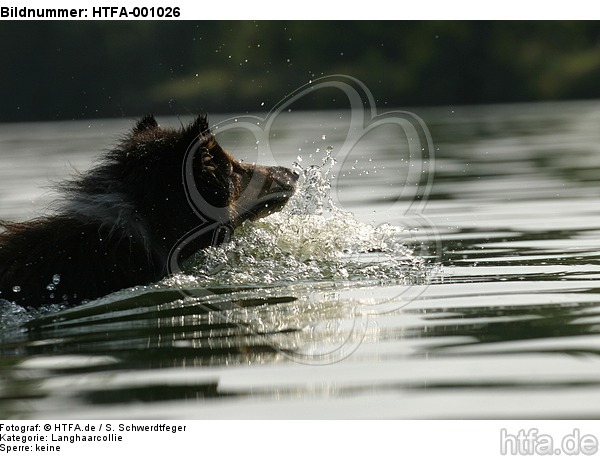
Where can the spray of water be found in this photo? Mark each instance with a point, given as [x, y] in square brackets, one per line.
[311, 239]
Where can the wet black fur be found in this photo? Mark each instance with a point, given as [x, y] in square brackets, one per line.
[117, 224]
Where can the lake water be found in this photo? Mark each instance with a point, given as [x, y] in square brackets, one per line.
[443, 269]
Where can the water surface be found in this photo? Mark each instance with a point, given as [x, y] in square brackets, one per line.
[483, 305]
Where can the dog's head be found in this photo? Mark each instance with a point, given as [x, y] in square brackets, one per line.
[227, 190]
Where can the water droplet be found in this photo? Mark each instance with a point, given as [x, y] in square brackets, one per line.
[56, 279]
[323, 137]
[16, 289]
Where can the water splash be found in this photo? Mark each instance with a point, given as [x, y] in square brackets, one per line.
[12, 315]
[311, 239]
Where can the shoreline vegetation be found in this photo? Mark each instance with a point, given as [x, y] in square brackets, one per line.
[77, 70]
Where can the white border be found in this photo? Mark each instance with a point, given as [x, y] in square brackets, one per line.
[348, 10]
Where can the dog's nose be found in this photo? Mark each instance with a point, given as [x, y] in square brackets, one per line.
[285, 174]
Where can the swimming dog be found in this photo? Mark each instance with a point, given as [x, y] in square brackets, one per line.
[116, 226]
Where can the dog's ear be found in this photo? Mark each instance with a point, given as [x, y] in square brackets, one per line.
[199, 130]
[207, 161]
[145, 123]
[200, 126]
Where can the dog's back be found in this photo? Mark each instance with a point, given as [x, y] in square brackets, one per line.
[62, 260]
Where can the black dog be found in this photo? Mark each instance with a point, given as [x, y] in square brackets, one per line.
[119, 223]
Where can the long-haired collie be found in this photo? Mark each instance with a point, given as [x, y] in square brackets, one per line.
[161, 193]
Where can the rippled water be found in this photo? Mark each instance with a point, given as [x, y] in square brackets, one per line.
[459, 279]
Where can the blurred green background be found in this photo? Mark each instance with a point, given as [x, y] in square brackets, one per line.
[74, 70]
